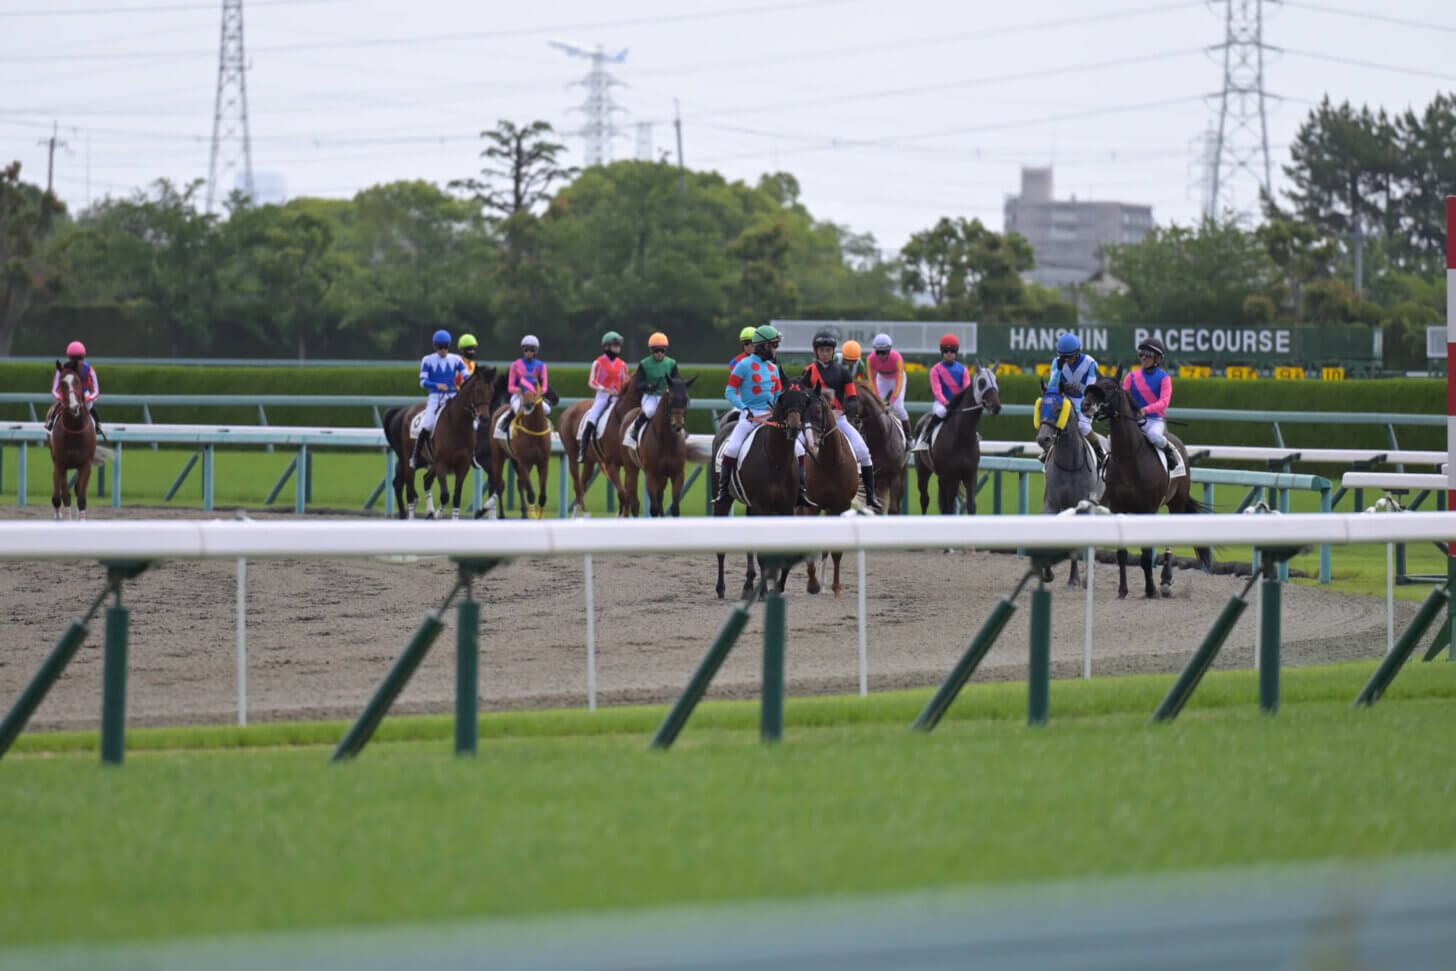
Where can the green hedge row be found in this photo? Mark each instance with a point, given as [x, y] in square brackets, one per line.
[1392, 395]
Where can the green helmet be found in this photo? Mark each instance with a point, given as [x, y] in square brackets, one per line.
[764, 334]
[611, 336]
[466, 340]
[746, 334]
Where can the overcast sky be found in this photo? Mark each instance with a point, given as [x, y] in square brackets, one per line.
[889, 114]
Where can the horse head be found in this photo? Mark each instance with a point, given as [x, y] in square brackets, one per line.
[795, 402]
[530, 398]
[985, 390]
[71, 395]
[1052, 416]
[475, 391]
[677, 403]
[1105, 398]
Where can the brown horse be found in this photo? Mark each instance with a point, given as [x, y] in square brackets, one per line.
[72, 441]
[1136, 480]
[831, 477]
[767, 479]
[606, 447]
[885, 438]
[661, 453]
[452, 444]
[528, 448]
[955, 455]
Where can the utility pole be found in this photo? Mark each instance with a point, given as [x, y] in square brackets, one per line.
[682, 183]
[230, 107]
[1241, 142]
[51, 145]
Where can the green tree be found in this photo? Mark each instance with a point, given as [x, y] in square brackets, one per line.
[281, 267]
[1302, 254]
[1427, 173]
[761, 290]
[967, 270]
[27, 272]
[521, 165]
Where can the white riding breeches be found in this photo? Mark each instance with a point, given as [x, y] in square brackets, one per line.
[938, 409]
[897, 407]
[433, 407]
[649, 404]
[543, 404]
[598, 408]
[1152, 427]
[740, 431]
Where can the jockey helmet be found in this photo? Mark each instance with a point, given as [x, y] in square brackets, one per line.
[611, 337]
[530, 341]
[949, 342]
[1151, 345]
[850, 350]
[746, 335]
[467, 341]
[658, 339]
[75, 349]
[824, 337]
[766, 334]
[441, 338]
[1068, 344]
[883, 342]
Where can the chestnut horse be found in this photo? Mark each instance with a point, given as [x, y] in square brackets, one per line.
[831, 476]
[528, 448]
[606, 447]
[72, 442]
[661, 453]
[453, 444]
[885, 438]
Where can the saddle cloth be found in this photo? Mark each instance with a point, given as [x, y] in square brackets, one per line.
[735, 484]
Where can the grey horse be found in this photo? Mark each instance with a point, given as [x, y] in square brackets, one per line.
[1071, 470]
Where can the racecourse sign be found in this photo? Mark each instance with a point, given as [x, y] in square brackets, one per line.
[1288, 345]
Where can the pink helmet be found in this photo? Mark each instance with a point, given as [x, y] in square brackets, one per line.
[75, 349]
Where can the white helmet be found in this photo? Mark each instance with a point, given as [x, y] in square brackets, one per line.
[882, 342]
[530, 341]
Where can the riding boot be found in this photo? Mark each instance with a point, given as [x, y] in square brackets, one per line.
[803, 501]
[724, 475]
[1174, 459]
[586, 437]
[872, 495]
[417, 460]
[96, 422]
[923, 442]
[905, 427]
[503, 427]
[1099, 450]
[637, 426]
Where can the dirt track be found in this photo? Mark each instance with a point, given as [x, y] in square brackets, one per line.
[321, 633]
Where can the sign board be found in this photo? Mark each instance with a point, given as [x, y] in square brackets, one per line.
[910, 337]
[1292, 345]
[1436, 343]
[1289, 374]
[1240, 372]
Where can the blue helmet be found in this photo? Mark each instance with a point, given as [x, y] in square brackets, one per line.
[1068, 344]
[442, 337]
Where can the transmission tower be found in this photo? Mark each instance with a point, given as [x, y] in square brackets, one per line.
[1240, 151]
[599, 129]
[231, 141]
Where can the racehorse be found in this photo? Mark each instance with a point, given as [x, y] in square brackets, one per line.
[955, 455]
[831, 476]
[606, 448]
[885, 437]
[1136, 480]
[1071, 467]
[528, 446]
[452, 444]
[661, 453]
[72, 442]
[767, 479]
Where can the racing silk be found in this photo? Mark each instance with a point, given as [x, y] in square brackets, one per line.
[891, 365]
[1081, 373]
[527, 375]
[436, 370]
[652, 375]
[754, 384]
[834, 376]
[1151, 388]
[608, 375]
[734, 363]
[949, 380]
[90, 386]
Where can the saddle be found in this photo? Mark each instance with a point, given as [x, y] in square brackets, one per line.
[735, 482]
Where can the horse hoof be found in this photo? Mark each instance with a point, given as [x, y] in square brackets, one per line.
[1122, 595]
[814, 588]
[838, 593]
[1166, 591]
[720, 591]
[1151, 594]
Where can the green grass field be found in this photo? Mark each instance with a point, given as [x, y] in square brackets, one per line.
[210, 830]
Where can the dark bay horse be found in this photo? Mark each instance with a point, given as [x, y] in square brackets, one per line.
[831, 476]
[1136, 481]
[955, 455]
[885, 438]
[453, 444]
[1071, 468]
[72, 442]
[661, 453]
[606, 448]
[528, 447]
[767, 479]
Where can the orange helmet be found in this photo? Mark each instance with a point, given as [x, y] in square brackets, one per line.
[850, 350]
[658, 339]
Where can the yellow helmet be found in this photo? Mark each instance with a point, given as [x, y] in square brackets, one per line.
[658, 339]
[746, 334]
[850, 350]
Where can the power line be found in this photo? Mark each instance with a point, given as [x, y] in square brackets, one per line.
[1356, 62]
[1362, 15]
[152, 8]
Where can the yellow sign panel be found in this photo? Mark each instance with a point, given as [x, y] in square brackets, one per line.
[1289, 374]
[1004, 369]
[1194, 371]
[1044, 370]
[1332, 374]
[1242, 372]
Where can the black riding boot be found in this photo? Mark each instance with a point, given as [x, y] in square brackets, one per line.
[923, 441]
[417, 460]
[637, 426]
[585, 443]
[504, 425]
[724, 474]
[96, 422]
[872, 495]
[1174, 459]
[803, 500]
[1098, 450]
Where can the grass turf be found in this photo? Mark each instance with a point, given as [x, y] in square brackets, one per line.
[568, 811]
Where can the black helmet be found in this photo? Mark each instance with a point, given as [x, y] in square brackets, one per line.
[824, 337]
[1151, 344]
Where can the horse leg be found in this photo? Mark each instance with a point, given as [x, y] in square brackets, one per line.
[1165, 581]
[813, 585]
[430, 493]
[543, 470]
[1072, 575]
[58, 486]
[838, 590]
[1122, 574]
[83, 477]
[675, 509]
[629, 505]
[749, 578]
[922, 478]
[720, 576]
[523, 488]
[1146, 562]
[947, 489]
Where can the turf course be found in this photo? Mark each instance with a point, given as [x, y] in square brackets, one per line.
[248, 829]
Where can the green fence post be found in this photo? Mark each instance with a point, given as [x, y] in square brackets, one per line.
[36, 690]
[113, 685]
[363, 729]
[1282, 500]
[389, 470]
[1325, 506]
[1391, 664]
[467, 672]
[677, 717]
[207, 477]
[23, 473]
[307, 476]
[1208, 495]
[1441, 641]
[1269, 591]
[511, 487]
[1038, 700]
[771, 713]
[100, 475]
[1203, 658]
[116, 476]
[2, 469]
[282, 481]
[181, 477]
[300, 481]
[562, 502]
[996, 493]
[991, 628]
[1023, 494]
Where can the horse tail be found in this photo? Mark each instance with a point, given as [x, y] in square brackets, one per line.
[1192, 506]
[103, 454]
[391, 424]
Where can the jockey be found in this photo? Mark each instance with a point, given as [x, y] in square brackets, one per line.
[608, 375]
[850, 354]
[888, 369]
[526, 374]
[467, 345]
[90, 386]
[825, 372]
[752, 389]
[1072, 374]
[1152, 391]
[745, 339]
[652, 376]
[948, 378]
[440, 375]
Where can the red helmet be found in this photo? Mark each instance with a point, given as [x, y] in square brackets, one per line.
[75, 349]
[950, 343]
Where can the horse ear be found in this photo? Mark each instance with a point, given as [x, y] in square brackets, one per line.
[1043, 385]
[58, 365]
[689, 382]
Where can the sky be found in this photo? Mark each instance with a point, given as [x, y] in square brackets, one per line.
[890, 115]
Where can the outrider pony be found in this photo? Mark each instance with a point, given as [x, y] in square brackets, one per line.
[1071, 467]
[452, 444]
[955, 455]
[885, 438]
[831, 475]
[72, 442]
[1136, 481]
[606, 448]
[661, 453]
[528, 446]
